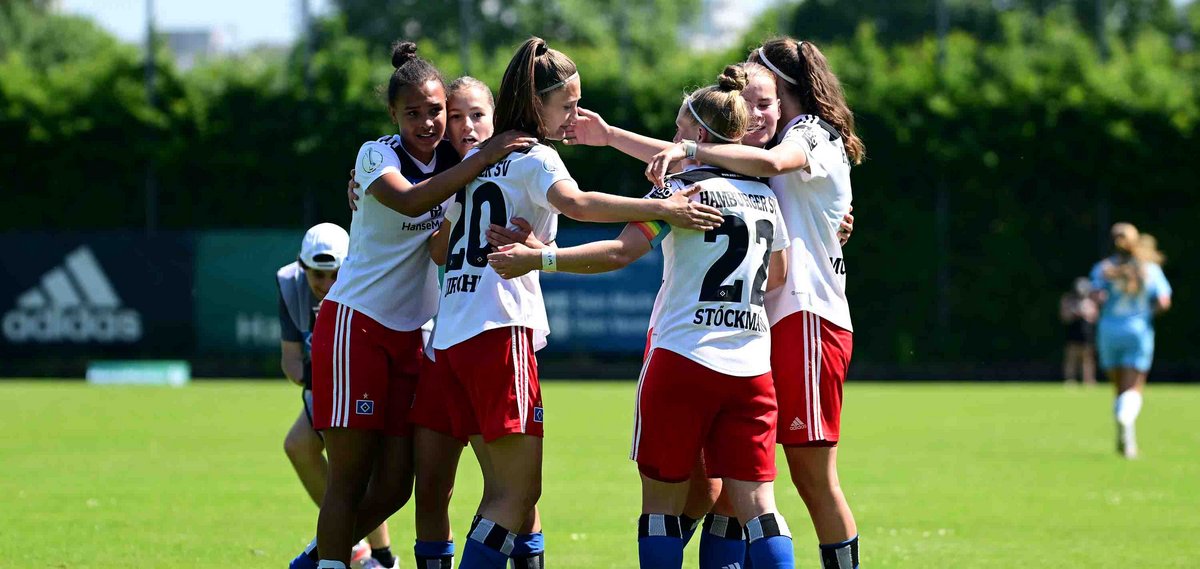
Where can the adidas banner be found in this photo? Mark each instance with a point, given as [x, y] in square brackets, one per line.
[96, 294]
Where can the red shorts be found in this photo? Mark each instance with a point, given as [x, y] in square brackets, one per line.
[441, 403]
[685, 408]
[496, 372]
[364, 373]
[809, 356]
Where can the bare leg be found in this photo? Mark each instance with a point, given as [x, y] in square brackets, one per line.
[751, 499]
[437, 457]
[390, 486]
[351, 457]
[814, 472]
[702, 492]
[1089, 365]
[304, 448]
[514, 471]
[1070, 357]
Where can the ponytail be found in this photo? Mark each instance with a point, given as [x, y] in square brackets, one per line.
[720, 109]
[533, 73]
[805, 73]
[411, 70]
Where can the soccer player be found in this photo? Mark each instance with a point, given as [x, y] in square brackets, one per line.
[1131, 288]
[809, 165]
[706, 384]
[489, 328]
[302, 286]
[437, 446]
[367, 342]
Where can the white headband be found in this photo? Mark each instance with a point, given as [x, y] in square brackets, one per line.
[559, 84]
[703, 124]
[763, 56]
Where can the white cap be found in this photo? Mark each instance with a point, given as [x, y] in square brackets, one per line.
[324, 247]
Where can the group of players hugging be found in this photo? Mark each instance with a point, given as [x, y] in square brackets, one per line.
[416, 333]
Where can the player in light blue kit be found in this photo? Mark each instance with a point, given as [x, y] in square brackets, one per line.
[1130, 288]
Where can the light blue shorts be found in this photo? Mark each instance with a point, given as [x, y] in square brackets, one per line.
[1125, 348]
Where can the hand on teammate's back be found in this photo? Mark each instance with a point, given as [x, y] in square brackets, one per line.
[498, 235]
[513, 260]
[351, 194]
[589, 129]
[499, 146]
[687, 214]
[847, 227]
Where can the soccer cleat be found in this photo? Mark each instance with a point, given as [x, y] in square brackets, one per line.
[372, 563]
[360, 553]
[302, 561]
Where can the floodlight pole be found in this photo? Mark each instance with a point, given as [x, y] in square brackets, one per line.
[151, 180]
[464, 33]
[310, 198]
[942, 197]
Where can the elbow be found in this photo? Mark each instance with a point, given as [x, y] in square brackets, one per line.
[621, 258]
[574, 208]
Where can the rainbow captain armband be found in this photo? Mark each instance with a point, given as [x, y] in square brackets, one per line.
[655, 231]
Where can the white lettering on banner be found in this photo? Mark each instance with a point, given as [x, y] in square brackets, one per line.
[256, 329]
[74, 302]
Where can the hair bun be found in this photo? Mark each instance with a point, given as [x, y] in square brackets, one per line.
[403, 52]
[732, 79]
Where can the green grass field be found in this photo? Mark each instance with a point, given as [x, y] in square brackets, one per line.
[939, 475]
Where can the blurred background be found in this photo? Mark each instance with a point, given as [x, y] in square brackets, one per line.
[161, 160]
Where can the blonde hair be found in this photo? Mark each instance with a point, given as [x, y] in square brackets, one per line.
[1146, 250]
[466, 83]
[720, 108]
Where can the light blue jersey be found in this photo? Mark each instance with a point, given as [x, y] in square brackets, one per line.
[1125, 333]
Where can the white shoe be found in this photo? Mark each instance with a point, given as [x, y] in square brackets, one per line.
[360, 554]
[372, 563]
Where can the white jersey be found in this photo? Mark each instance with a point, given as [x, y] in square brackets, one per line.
[710, 306]
[474, 297]
[388, 274]
[814, 203]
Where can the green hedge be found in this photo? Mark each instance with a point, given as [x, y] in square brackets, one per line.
[1036, 143]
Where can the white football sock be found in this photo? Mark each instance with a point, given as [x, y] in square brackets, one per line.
[1128, 406]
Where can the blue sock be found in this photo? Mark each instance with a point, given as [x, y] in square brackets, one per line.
[660, 542]
[842, 555]
[722, 543]
[689, 526]
[434, 554]
[770, 542]
[488, 546]
[529, 551]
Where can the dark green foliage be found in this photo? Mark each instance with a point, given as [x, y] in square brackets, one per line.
[1037, 143]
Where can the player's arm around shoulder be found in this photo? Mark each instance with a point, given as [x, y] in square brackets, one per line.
[413, 200]
[753, 161]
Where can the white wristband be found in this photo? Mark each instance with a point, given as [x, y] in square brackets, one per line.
[689, 149]
[549, 259]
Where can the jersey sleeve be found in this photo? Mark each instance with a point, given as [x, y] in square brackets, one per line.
[287, 329]
[546, 169]
[374, 160]
[782, 240]
[808, 140]
[656, 231]
[1159, 284]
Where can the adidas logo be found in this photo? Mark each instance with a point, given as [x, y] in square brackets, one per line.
[74, 302]
[734, 565]
[797, 425]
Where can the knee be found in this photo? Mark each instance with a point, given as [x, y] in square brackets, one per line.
[814, 483]
[432, 495]
[298, 449]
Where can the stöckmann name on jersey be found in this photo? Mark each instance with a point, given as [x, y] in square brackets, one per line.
[755, 320]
